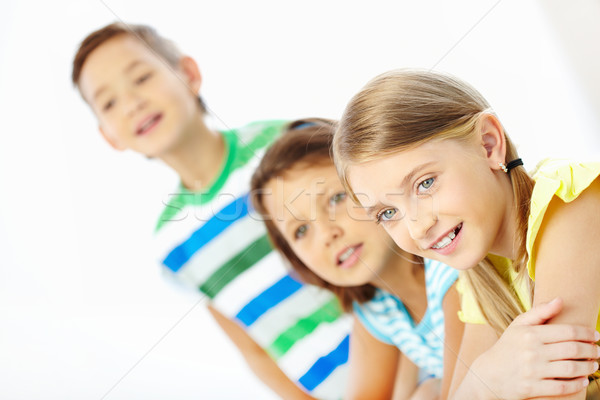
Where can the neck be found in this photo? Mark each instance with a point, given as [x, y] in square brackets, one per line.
[505, 244]
[198, 156]
[403, 276]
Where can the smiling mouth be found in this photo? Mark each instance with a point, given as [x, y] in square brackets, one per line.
[446, 240]
[349, 256]
[149, 124]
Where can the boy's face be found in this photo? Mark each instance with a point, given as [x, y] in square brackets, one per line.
[141, 103]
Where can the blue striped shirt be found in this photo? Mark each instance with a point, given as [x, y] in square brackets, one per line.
[386, 318]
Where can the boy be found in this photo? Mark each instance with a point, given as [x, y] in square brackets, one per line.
[144, 95]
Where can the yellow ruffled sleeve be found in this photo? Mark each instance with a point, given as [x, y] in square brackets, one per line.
[469, 310]
[562, 178]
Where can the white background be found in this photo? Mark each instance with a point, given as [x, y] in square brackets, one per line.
[82, 305]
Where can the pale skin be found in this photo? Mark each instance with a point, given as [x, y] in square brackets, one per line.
[547, 351]
[127, 85]
[320, 225]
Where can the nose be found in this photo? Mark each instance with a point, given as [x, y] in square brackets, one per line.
[133, 103]
[330, 232]
[419, 223]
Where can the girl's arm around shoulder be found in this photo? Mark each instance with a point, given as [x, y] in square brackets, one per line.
[567, 261]
[537, 359]
[373, 366]
[263, 366]
[453, 334]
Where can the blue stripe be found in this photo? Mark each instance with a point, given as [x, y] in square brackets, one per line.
[326, 365]
[272, 296]
[364, 318]
[212, 228]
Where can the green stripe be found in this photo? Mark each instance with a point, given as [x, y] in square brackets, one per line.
[235, 266]
[329, 312]
[268, 132]
[186, 197]
[237, 155]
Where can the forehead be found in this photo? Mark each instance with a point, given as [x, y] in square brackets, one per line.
[111, 60]
[292, 194]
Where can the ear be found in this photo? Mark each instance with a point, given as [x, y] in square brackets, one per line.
[111, 141]
[493, 140]
[191, 73]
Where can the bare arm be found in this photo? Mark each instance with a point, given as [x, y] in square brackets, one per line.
[372, 366]
[529, 354]
[258, 360]
[453, 334]
[568, 264]
[407, 378]
[466, 383]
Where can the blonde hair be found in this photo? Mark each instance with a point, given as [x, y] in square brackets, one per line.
[402, 109]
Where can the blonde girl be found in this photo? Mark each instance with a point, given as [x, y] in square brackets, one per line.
[402, 303]
[423, 152]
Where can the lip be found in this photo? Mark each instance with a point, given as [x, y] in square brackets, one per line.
[450, 248]
[353, 259]
[157, 117]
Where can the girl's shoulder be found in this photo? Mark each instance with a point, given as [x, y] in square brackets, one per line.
[555, 179]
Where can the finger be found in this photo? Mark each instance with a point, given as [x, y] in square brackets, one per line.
[540, 313]
[570, 369]
[556, 333]
[550, 387]
[571, 351]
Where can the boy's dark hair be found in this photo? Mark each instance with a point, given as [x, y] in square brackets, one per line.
[162, 47]
[306, 142]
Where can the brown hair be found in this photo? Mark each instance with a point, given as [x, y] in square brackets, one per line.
[305, 142]
[162, 47]
[401, 109]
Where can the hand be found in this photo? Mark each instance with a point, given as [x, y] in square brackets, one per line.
[538, 360]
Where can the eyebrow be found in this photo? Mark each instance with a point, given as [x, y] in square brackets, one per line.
[127, 69]
[407, 179]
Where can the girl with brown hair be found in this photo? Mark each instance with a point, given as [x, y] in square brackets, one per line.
[402, 303]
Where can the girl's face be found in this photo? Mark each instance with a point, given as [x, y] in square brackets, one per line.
[445, 200]
[329, 233]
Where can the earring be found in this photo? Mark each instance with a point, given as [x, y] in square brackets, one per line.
[503, 167]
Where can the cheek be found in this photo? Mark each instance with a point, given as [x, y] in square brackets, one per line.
[401, 236]
[310, 258]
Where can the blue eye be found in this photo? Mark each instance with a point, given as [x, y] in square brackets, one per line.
[337, 198]
[386, 215]
[301, 231]
[426, 184]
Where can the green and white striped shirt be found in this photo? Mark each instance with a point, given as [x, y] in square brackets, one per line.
[212, 241]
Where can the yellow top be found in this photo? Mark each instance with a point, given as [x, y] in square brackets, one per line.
[562, 178]
[470, 312]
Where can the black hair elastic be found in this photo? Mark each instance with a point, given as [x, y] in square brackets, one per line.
[514, 163]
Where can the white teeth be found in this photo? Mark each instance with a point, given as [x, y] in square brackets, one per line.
[147, 124]
[443, 243]
[446, 240]
[346, 254]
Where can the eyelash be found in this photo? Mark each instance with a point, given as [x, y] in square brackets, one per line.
[341, 196]
[296, 237]
[108, 105]
[432, 179]
[143, 78]
[380, 220]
